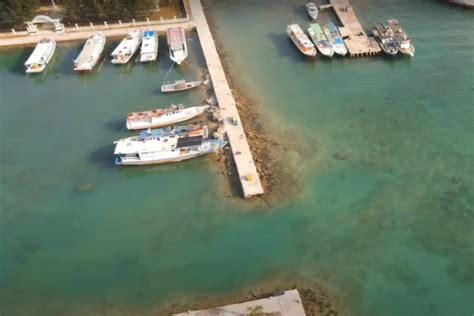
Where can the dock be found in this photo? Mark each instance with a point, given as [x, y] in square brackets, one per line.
[285, 303]
[84, 32]
[358, 43]
[245, 165]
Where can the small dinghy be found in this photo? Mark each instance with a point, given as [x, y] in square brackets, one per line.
[179, 85]
[312, 10]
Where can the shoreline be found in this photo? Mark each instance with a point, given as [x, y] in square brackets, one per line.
[317, 299]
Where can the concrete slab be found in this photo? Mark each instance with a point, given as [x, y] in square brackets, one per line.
[287, 303]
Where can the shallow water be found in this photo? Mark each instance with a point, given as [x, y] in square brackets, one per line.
[388, 227]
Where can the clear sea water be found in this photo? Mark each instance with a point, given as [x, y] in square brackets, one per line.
[389, 229]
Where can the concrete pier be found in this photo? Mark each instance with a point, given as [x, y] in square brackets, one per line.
[357, 42]
[287, 303]
[244, 162]
[84, 32]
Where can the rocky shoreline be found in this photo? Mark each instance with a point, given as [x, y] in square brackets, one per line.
[268, 140]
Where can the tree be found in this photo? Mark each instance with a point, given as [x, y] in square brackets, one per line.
[14, 12]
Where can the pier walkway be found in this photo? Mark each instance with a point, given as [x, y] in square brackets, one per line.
[244, 162]
[83, 32]
[357, 42]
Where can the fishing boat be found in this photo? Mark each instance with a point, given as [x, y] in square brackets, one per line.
[312, 10]
[403, 41]
[179, 85]
[163, 117]
[335, 38]
[176, 39]
[127, 48]
[300, 40]
[149, 50]
[41, 55]
[320, 40]
[385, 37]
[153, 148]
[90, 53]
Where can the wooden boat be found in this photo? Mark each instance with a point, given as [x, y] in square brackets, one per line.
[320, 40]
[386, 39]
[127, 48]
[335, 38]
[163, 117]
[301, 41]
[41, 56]
[179, 85]
[90, 53]
[177, 44]
[403, 41]
[312, 10]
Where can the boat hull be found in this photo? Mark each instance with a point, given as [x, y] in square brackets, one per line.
[310, 52]
[186, 115]
[95, 46]
[120, 162]
[408, 51]
[146, 58]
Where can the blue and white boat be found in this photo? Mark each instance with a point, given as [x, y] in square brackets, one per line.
[335, 38]
[149, 49]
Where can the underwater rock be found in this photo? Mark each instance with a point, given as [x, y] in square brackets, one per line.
[341, 155]
[84, 187]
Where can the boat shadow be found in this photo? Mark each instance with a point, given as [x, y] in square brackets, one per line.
[103, 156]
[116, 126]
[18, 66]
[300, 11]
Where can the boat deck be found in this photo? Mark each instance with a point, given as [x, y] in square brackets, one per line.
[244, 162]
[358, 43]
[40, 53]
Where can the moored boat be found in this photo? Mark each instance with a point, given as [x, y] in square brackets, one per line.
[127, 48]
[312, 10]
[320, 40]
[178, 48]
[152, 148]
[179, 85]
[163, 117]
[300, 40]
[335, 38]
[403, 41]
[41, 55]
[90, 53]
[385, 37]
[149, 49]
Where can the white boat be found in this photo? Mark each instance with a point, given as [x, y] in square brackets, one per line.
[403, 40]
[300, 40]
[149, 50]
[320, 40]
[127, 48]
[312, 10]
[176, 39]
[179, 85]
[41, 55]
[90, 53]
[335, 38]
[163, 117]
[155, 148]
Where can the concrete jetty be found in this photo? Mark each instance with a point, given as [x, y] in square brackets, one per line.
[358, 43]
[287, 303]
[244, 162]
[84, 32]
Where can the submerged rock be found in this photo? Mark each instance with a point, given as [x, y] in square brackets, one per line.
[84, 187]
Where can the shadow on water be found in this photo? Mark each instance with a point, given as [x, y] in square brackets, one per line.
[18, 66]
[103, 156]
[300, 11]
[116, 126]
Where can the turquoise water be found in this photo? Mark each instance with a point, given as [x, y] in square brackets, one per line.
[388, 229]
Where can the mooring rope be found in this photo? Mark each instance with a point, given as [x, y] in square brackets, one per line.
[167, 74]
